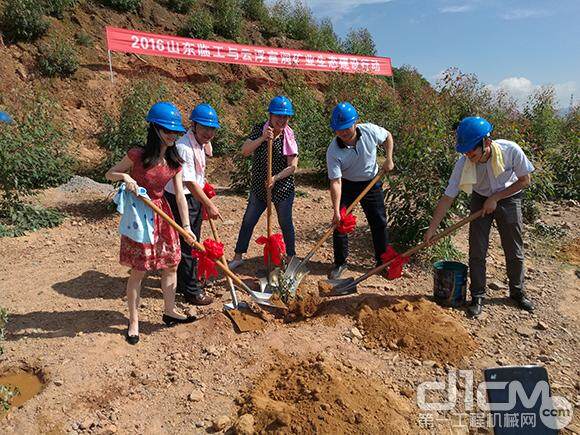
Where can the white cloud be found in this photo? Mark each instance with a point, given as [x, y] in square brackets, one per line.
[521, 88]
[521, 14]
[455, 9]
[337, 8]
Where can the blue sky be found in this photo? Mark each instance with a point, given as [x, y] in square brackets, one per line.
[516, 45]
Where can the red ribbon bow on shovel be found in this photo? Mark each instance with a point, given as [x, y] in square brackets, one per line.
[274, 248]
[347, 222]
[395, 269]
[206, 260]
[209, 191]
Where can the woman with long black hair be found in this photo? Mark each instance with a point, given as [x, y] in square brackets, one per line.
[152, 167]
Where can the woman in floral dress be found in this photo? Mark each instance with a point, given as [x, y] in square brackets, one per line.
[152, 167]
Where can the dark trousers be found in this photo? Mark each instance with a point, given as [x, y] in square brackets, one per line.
[252, 215]
[508, 218]
[187, 282]
[373, 205]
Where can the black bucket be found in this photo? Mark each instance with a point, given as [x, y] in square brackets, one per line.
[449, 283]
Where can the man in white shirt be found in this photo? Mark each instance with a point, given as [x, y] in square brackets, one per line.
[495, 172]
[193, 147]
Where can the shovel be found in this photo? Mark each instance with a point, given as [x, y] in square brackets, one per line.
[296, 269]
[346, 286]
[200, 247]
[239, 312]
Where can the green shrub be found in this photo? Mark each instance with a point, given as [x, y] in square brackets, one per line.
[254, 10]
[324, 38]
[123, 5]
[58, 59]
[198, 24]
[32, 156]
[359, 41]
[130, 129]
[84, 39]
[57, 8]
[228, 18]
[180, 6]
[236, 92]
[22, 20]
[301, 24]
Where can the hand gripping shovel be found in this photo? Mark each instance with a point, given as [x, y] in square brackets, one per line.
[199, 246]
[296, 269]
[346, 286]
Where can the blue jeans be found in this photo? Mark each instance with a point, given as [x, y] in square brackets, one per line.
[252, 215]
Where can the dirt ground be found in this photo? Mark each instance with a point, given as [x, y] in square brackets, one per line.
[354, 366]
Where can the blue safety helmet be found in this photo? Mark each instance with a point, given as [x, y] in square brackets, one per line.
[204, 114]
[470, 132]
[281, 105]
[5, 117]
[343, 116]
[166, 115]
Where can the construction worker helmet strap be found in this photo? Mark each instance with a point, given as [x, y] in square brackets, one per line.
[281, 105]
[166, 115]
[471, 131]
[343, 116]
[206, 115]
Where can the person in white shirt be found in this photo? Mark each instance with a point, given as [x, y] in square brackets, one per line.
[193, 147]
[494, 172]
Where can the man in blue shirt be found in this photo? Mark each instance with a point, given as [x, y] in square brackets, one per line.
[494, 172]
[351, 160]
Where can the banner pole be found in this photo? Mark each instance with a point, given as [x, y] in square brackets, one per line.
[110, 66]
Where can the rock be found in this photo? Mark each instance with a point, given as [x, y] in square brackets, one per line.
[524, 331]
[429, 363]
[355, 333]
[541, 326]
[245, 425]
[58, 382]
[221, 423]
[407, 392]
[496, 285]
[199, 423]
[211, 350]
[111, 428]
[393, 345]
[544, 358]
[195, 396]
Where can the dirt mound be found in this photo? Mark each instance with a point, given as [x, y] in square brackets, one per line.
[418, 327]
[314, 396]
[305, 304]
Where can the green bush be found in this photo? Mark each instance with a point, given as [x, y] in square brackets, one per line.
[32, 156]
[228, 18]
[22, 20]
[324, 38]
[254, 10]
[123, 5]
[130, 128]
[301, 24]
[198, 24]
[84, 39]
[57, 8]
[58, 59]
[181, 6]
[359, 41]
[236, 92]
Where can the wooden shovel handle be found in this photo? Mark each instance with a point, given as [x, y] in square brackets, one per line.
[195, 243]
[417, 248]
[269, 190]
[350, 208]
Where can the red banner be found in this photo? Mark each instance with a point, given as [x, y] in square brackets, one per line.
[131, 41]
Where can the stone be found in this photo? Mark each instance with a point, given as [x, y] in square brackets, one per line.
[407, 392]
[58, 382]
[221, 423]
[496, 285]
[355, 333]
[429, 363]
[541, 326]
[245, 425]
[199, 423]
[195, 396]
[524, 331]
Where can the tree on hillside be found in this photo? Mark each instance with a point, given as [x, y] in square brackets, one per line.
[325, 39]
[359, 41]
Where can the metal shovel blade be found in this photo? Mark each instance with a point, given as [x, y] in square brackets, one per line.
[292, 267]
[243, 318]
[336, 287]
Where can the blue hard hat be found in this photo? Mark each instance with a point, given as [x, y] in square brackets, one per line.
[166, 115]
[470, 132]
[281, 105]
[343, 116]
[204, 114]
[5, 117]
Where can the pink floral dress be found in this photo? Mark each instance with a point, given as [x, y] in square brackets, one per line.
[164, 252]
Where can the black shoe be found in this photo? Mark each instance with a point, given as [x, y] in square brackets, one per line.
[523, 302]
[131, 339]
[199, 299]
[337, 271]
[474, 309]
[170, 321]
